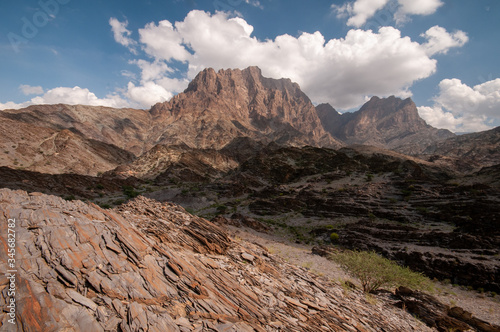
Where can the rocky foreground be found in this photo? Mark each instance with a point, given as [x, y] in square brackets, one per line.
[147, 266]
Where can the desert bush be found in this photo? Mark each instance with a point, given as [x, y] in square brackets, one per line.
[130, 192]
[375, 271]
[334, 237]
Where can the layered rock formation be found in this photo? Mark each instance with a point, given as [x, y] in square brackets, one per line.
[468, 152]
[220, 106]
[37, 148]
[125, 128]
[405, 208]
[389, 123]
[153, 267]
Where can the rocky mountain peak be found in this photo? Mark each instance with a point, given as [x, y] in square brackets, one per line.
[220, 106]
[390, 122]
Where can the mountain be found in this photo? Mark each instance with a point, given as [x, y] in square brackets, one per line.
[390, 123]
[215, 109]
[125, 128]
[468, 152]
[33, 147]
[218, 107]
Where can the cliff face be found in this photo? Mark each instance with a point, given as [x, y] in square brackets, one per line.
[147, 266]
[220, 106]
[390, 123]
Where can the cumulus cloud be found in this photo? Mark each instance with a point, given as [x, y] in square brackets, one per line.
[343, 71]
[162, 41]
[11, 105]
[459, 107]
[122, 34]
[30, 90]
[440, 41]
[360, 11]
[71, 96]
[416, 7]
[155, 86]
[149, 93]
[340, 71]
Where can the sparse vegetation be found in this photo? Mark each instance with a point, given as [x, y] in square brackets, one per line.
[130, 192]
[334, 237]
[375, 271]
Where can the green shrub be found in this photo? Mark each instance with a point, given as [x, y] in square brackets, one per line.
[375, 271]
[130, 192]
[334, 237]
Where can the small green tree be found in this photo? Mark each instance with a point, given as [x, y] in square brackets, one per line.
[375, 271]
[334, 237]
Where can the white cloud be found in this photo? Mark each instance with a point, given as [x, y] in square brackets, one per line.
[155, 86]
[416, 7]
[459, 107]
[152, 70]
[360, 11]
[77, 95]
[343, 71]
[30, 90]
[11, 105]
[163, 42]
[440, 41]
[122, 34]
[459, 98]
[148, 94]
[71, 96]
[339, 71]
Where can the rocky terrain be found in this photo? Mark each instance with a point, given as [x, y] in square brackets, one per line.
[148, 266]
[468, 152]
[407, 209]
[389, 123]
[245, 151]
[215, 109]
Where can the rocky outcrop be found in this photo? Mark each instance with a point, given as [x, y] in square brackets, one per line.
[149, 266]
[438, 315]
[390, 123]
[220, 106]
[468, 152]
[70, 186]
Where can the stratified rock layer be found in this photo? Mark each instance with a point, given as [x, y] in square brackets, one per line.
[153, 267]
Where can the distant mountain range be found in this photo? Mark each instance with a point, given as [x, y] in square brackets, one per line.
[215, 109]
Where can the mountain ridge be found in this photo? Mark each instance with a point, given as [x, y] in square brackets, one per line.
[391, 123]
[215, 109]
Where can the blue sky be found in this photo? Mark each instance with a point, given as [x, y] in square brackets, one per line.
[441, 53]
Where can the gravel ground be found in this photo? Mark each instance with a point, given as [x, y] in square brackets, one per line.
[482, 306]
